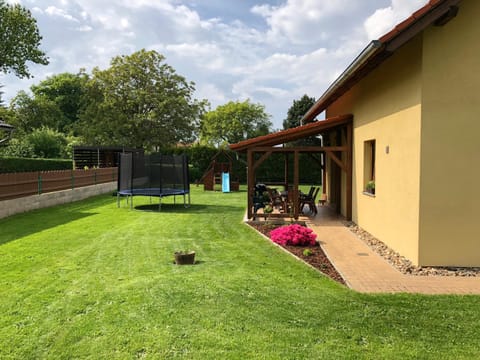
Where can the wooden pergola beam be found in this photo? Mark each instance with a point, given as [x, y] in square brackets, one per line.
[337, 160]
[301, 149]
[261, 160]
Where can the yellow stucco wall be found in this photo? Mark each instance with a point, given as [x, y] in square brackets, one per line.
[386, 108]
[450, 181]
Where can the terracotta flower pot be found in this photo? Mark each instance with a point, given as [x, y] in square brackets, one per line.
[185, 258]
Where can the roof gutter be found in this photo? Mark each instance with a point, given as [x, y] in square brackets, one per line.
[359, 61]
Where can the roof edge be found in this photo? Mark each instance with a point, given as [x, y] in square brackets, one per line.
[292, 134]
[378, 50]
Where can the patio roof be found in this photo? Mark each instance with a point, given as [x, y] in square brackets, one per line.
[299, 132]
[437, 12]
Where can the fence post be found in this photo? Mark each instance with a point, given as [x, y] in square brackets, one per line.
[39, 183]
[72, 177]
[95, 177]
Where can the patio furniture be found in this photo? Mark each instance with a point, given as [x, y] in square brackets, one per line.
[276, 199]
[323, 199]
[310, 201]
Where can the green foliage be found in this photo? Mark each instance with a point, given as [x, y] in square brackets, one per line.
[20, 40]
[66, 91]
[18, 148]
[89, 280]
[140, 102]
[13, 164]
[307, 252]
[297, 110]
[295, 114]
[272, 169]
[47, 143]
[30, 113]
[234, 122]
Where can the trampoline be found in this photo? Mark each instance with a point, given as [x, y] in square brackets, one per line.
[153, 175]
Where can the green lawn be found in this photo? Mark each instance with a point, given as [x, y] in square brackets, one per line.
[89, 280]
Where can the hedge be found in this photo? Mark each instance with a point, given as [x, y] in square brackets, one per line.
[14, 164]
[199, 159]
[272, 170]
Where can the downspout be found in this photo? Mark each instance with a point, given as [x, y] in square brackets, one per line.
[359, 61]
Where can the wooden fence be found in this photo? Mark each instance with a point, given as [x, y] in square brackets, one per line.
[15, 185]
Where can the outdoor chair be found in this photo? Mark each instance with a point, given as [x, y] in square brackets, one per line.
[310, 201]
[275, 198]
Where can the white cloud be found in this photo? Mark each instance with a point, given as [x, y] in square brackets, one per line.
[272, 53]
[214, 94]
[208, 56]
[302, 21]
[384, 19]
[54, 11]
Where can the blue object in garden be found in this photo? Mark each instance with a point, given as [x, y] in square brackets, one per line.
[225, 182]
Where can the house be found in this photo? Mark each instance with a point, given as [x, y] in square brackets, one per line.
[414, 97]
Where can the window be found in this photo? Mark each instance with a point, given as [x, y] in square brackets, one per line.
[369, 166]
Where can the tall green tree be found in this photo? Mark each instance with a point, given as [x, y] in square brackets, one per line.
[66, 91]
[234, 122]
[295, 114]
[30, 113]
[140, 101]
[20, 40]
[297, 110]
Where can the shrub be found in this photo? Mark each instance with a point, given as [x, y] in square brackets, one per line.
[295, 234]
[47, 143]
[12, 164]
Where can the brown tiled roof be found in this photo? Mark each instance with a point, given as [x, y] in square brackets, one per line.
[435, 11]
[299, 132]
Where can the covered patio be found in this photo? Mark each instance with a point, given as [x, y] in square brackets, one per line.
[335, 158]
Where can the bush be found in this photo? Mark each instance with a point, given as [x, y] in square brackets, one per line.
[295, 235]
[18, 148]
[13, 164]
[47, 143]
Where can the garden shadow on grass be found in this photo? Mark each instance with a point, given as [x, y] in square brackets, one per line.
[24, 224]
[193, 208]
[21, 225]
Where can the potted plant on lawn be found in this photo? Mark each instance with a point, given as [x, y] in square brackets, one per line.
[184, 257]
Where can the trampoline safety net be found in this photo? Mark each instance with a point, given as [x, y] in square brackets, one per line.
[153, 175]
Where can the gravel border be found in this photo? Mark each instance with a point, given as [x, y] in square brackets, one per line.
[403, 264]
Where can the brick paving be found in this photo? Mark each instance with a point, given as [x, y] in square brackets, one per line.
[366, 271]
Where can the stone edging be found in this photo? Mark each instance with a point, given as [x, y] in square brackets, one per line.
[404, 265]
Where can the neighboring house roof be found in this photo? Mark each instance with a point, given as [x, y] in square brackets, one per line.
[437, 12]
[299, 132]
[8, 128]
[5, 126]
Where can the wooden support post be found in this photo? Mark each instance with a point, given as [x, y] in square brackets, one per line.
[250, 183]
[324, 173]
[349, 171]
[286, 172]
[296, 179]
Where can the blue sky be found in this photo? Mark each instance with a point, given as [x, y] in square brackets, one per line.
[269, 51]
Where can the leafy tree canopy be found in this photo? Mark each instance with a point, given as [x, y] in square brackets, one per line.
[20, 40]
[297, 110]
[32, 113]
[66, 91]
[234, 122]
[140, 101]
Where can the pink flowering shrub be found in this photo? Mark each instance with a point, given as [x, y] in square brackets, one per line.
[295, 234]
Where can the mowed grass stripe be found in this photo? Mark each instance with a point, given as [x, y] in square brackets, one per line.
[90, 280]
